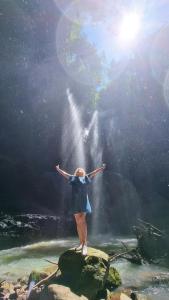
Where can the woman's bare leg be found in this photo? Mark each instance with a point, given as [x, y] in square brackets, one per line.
[81, 227]
[78, 220]
[84, 228]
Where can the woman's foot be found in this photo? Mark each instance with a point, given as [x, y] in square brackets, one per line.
[84, 250]
[79, 247]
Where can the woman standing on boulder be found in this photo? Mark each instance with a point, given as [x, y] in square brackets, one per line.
[80, 201]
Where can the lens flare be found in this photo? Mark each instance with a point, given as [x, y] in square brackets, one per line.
[129, 28]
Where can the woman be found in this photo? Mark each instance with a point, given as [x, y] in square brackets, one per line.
[80, 201]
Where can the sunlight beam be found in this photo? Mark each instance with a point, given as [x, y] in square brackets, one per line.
[129, 27]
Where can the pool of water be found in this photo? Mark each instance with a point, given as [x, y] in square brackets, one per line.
[20, 261]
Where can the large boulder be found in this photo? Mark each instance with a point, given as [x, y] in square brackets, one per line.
[87, 275]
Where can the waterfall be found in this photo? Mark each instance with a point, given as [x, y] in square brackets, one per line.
[72, 137]
[96, 154]
[72, 146]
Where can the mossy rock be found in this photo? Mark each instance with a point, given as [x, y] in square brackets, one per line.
[92, 279]
[73, 261]
[84, 275]
[87, 275]
[113, 279]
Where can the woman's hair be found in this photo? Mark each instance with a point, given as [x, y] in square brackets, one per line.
[80, 171]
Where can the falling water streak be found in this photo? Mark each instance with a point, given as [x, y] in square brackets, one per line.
[88, 129]
[72, 145]
[71, 135]
[92, 122]
[66, 157]
[96, 154]
[76, 134]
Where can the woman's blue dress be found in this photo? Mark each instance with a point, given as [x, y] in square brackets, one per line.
[80, 200]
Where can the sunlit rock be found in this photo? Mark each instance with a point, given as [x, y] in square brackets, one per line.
[59, 292]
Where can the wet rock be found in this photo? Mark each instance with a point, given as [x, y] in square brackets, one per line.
[59, 292]
[118, 296]
[126, 294]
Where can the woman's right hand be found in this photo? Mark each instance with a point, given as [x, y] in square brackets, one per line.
[57, 167]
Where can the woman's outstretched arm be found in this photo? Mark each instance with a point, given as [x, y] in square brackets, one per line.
[98, 170]
[63, 173]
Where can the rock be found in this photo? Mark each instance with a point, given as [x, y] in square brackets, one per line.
[39, 275]
[17, 287]
[36, 276]
[73, 261]
[118, 296]
[134, 296]
[59, 292]
[113, 279]
[13, 296]
[124, 297]
[7, 287]
[84, 275]
[22, 297]
[13, 291]
[153, 244]
[35, 294]
[2, 294]
[87, 275]
[108, 295]
[22, 281]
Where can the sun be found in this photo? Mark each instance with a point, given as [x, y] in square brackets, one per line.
[129, 27]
